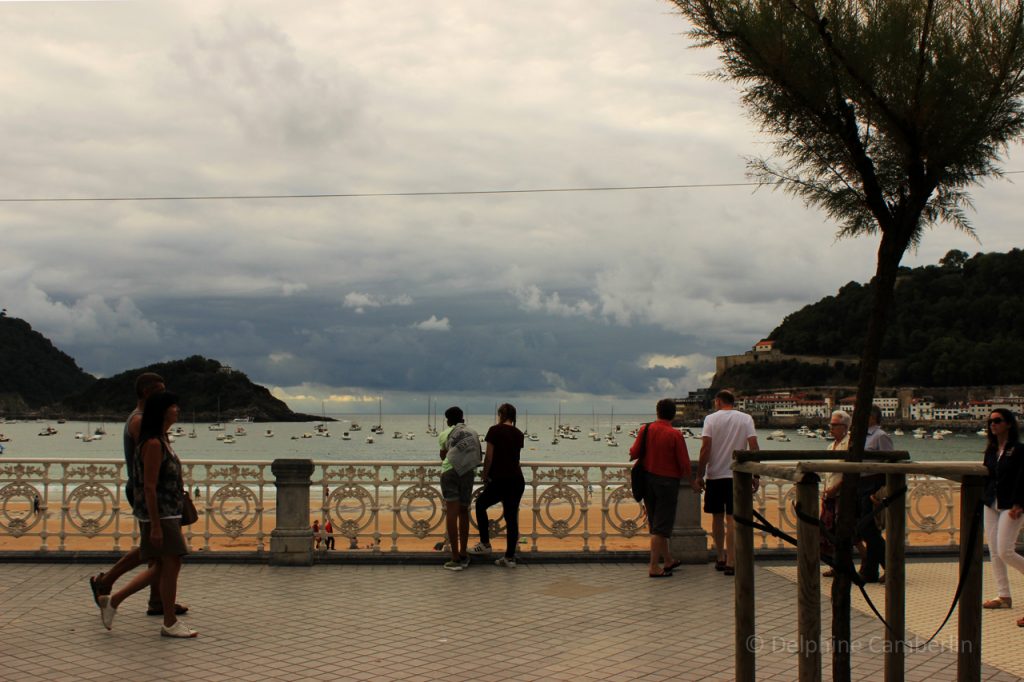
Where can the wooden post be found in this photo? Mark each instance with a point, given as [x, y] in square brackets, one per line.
[895, 580]
[968, 661]
[808, 582]
[743, 543]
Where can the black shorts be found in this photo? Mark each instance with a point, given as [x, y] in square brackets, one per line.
[718, 496]
[660, 500]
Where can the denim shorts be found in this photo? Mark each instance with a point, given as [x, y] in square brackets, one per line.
[455, 488]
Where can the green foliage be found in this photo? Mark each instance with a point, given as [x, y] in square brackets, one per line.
[33, 372]
[882, 111]
[955, 324]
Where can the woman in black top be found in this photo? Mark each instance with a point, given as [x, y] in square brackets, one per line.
[158, 506]
[1004, 501]
[503, 482]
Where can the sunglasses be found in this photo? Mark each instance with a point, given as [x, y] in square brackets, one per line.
[997, 421]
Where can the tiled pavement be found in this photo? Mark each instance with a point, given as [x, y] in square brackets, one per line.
[930, 589]
[400, 622]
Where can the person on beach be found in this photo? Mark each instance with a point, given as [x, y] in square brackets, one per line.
[316, 534]
[460, 455]
[328, 534]
[160, 494]
[503, 482]
[667, 462]
[146, 384]
[1004, 502]
[725, 430]
[868, 488]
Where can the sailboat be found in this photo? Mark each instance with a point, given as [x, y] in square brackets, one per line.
[379, 428]
[219, 425]
[192, 433]
[610, 438]
[554, 436]
[431, 430]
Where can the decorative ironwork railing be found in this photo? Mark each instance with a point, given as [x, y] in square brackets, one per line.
[380, 506]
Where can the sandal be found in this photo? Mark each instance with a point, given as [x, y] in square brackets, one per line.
[98, 590]
[663, 574]
[719, 565]
[672, 566]
[998, 603]
[729, 570]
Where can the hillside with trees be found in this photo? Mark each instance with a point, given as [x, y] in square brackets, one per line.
[36, 377]
[209, 390]
[33, 372]
[957, 323]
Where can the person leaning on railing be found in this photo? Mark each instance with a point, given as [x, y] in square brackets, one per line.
[1004, 502]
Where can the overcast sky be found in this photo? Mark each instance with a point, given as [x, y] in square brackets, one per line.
[589, 298]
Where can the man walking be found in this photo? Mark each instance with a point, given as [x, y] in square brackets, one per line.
[460, 455]
[725, 430]
[874, 553]
[146, 384]
[666, 461]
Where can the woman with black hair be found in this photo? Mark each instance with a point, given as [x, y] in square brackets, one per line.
[503, 482]
[157, 474]
[1004, 501]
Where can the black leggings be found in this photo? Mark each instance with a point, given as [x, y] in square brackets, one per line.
[508, 491]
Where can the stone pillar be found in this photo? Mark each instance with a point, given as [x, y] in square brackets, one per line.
[689, 542]
[291, 542]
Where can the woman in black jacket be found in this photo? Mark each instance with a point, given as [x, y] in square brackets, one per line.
[1004, 501]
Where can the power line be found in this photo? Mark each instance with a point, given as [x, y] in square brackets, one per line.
[363, 195]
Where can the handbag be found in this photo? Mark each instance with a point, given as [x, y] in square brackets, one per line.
[189, 513]
[638, 475]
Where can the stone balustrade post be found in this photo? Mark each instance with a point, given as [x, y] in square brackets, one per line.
[291, 541]
[689, 542]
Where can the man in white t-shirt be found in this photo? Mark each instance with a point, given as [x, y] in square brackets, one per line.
[725, 430]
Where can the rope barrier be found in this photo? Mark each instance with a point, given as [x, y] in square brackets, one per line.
[765, 525]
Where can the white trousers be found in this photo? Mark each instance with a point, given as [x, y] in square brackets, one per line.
[1001, 535]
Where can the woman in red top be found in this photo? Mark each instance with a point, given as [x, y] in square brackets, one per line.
[503, 482]
[667, 462]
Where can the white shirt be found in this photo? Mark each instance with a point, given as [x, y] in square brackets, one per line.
[728, 431]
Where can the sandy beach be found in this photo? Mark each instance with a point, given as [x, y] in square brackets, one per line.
[206, 536]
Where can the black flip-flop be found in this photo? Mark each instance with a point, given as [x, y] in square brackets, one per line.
[97, 589]
[659, 575]
[674, 565]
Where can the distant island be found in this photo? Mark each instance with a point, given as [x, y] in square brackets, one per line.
[37, 379]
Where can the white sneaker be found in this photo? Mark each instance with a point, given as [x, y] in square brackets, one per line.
[179, 629]
[107, 612]
[481, 548]
[505, 562]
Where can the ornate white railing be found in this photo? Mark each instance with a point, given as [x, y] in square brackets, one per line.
[72, 505]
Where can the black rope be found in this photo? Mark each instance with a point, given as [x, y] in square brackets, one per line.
[765, 525]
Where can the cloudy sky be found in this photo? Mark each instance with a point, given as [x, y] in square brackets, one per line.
[589, 298]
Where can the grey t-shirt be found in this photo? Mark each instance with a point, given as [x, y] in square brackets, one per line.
[464, 451]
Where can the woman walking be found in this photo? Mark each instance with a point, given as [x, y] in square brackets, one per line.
[503, 482]
[158, 510]
[1004, 502]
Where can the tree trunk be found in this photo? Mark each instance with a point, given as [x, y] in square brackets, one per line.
[890, 253]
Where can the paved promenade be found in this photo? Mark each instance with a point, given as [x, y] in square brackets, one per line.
[400, 622]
